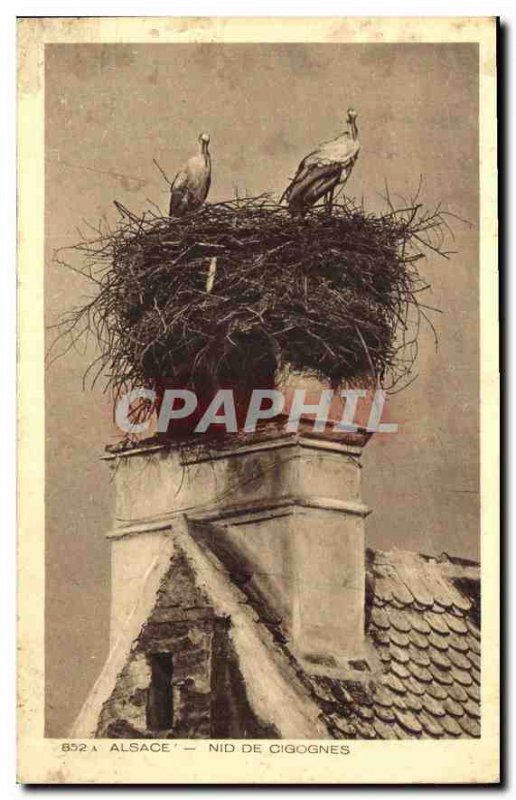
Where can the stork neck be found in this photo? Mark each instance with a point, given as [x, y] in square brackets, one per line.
[354, 129]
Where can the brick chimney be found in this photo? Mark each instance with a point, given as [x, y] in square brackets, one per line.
[282, 513]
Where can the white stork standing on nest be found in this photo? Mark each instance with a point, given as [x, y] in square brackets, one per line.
[190, 187]
[323, 170]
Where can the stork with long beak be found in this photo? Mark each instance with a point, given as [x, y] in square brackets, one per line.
[327, 167]
[190, 187]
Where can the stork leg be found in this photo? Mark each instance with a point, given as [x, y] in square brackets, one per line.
[328, 201]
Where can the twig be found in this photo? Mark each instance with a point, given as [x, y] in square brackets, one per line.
[162, 172]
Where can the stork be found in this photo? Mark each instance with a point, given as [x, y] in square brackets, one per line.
[190, 187]
[323, 170]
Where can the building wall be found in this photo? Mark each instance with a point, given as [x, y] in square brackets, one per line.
[207, 695]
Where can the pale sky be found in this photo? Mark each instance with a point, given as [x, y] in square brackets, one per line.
[111, 109]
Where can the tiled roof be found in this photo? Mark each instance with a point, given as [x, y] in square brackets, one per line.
[426, 634]
[421, 677]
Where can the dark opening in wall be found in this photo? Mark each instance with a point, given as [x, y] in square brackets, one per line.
[160, 711]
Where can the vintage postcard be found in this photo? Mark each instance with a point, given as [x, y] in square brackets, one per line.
[258, 401]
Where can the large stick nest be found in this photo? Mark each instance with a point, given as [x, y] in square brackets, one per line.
[335, 296]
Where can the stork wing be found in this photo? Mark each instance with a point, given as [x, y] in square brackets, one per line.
[332, 156]
[190, 186]
[316, 185]
[179, 194]
[311, 174]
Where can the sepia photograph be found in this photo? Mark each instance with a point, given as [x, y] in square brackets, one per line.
[264, 521]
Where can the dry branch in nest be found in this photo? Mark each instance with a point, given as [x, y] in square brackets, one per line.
[335, 296]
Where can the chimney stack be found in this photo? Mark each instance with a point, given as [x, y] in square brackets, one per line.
[282, 509]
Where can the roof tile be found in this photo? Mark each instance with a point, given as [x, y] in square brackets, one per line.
[469, 725]
[408, 720]
[393, 682]
[400, 639]
[458, 643]
[421, 673]
[437, 622]
[385, 714]
[433, 706]
[463, 677]
[461, 602]
[438, 641]
[383, 730]
[474, 659]
[443, 592]
[457, 692]
[415, 686]
[398, 701]
[455, 624]
[379, 618]
[322, 691]
[418, 639]
[365, 712]
[439, 659]
[426, 735]
[380, 636]
[401, 733]
[383, 697]
[359, 692]
[420, 657]
[400, 591]
[443, 676]
[472, 708]
[385, 654]
[365, 730]
[399, 620]
[413, 702]
[473, 629]
[474, 692]
[382, 589]
[412, 580]
[430, 724]
[453, 708]
[399, 669]
[346, 729]
[399, 654]
[437, 691]
[419, 623]
[451, 726]
[458, 659]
